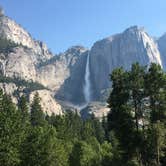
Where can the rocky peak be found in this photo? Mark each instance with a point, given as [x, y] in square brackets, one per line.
[70, 56]
[132, 45]
[137, 33]
[60, 68]
[12, 31]
[134, 29]
[76, 50]
[64, 74]
[140, 37]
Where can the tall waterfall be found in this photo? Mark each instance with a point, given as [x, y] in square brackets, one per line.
[87, 86]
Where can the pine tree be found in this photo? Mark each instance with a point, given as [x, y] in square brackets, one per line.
[42, 148]
[107, 155]
[155, 81]
[1, 99]
[11, 133]
[24, 108]
[105, 127]
[99, 132]
[137, 91]
[120, 118]
[87, 130]
[119, 88]
[83, 155]
[37, 115]
[137, 95]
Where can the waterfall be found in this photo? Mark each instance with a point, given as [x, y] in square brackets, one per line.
[87, 86]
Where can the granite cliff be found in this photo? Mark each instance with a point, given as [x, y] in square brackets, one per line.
[64, 76]
[133, 45]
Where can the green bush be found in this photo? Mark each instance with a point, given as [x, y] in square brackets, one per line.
[6, 46]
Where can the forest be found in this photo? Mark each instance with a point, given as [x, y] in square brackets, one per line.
[133, 133]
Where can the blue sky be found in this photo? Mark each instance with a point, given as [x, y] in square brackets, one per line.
[64, 23]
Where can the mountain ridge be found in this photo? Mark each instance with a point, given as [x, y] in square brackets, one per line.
[64, 74]
[121, 50]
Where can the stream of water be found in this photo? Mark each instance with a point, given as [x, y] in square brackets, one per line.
[87, 86]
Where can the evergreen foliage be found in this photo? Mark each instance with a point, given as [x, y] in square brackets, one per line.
[138, 114]
[37, 116]
[29, 85]
[6, 46]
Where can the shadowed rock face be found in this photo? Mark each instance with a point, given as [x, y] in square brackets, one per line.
[59, 71]
[162, 48]
[72, 89]
[121, 50]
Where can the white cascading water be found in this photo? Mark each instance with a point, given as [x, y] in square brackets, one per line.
[87, 86]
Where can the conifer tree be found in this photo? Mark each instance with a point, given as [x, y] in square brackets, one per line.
[120, 118]
[24, 108]
[155, 81]
[37, 115]
[137, 95]
[82, 155]
[11, 133]
[42, 148]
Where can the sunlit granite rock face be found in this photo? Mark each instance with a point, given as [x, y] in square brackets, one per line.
[10, 30]
[98, 109]
[57, 70]
[64, 74]
[32, 61]
[9, 88]
[121, 50]
[48, 103]
[20, 63]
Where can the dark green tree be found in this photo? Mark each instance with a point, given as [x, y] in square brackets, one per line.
[37, 115]
[24, 108]
[137, 96]
[42, 148]
[82, 155]
[155, 81]
[138, 104]
[99, 132]
[120, 118]
[11, 133]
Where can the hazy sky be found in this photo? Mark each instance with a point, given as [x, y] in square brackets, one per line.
[64, 23]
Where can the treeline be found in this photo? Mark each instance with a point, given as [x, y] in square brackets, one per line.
[35, 139]
[29, 85]
[7, 45]
[133, 134]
